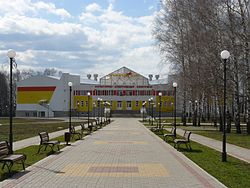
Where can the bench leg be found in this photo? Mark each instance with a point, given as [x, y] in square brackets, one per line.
[9, 166]
[190, 146]
[23, 164]
[39, 148]
[3, 165]
[58, 147]
[52, 147]
[45, 147]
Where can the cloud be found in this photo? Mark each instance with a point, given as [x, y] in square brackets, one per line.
[51, 8]
[99, 40]
[26, 7]
[93, 7]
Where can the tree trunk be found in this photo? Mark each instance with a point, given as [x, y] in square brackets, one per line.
[194, 117]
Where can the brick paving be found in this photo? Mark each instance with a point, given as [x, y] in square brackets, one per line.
[123, 154]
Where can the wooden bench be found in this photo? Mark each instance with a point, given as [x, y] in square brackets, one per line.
[95, 125]
[109, 120]
[9, 159]
[44, 141]
[185, 140]
[85, 128]
[73, 133]
[171, 134]
[158, 128]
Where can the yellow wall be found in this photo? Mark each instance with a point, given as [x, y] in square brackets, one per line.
[168, 108]
[114, 105]
[83, 108]
[124, 105]
[136, 108]
[169, 100]
[33, 97]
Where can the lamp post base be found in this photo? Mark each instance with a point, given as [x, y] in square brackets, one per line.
[224, 157]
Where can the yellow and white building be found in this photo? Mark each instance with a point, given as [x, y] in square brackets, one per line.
[124, 90]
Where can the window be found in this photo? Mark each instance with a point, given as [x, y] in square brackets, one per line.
[119, 93]
[129, 104]
[136, 103]
[82, 103]
[86, 102]
[129, 93]
[27, 114]
[119, 104]
[34, 114]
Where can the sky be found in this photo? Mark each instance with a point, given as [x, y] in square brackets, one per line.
[81, 36]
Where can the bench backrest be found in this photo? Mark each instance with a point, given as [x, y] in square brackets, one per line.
[172, 130]
[44, 137]
[72, 129]
[187, 135]
[4, 149]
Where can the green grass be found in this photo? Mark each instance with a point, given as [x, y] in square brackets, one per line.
[242, 140]
[22, 131]
[5, 120]
[234, 173]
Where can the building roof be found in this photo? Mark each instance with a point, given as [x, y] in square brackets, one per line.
[159, 81]
[89, 81]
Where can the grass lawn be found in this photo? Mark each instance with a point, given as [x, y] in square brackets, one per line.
[234, 173]
[22, 131]
[242, 140]
[4, 120]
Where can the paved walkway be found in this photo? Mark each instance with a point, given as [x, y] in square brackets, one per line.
[233, 150]
[123, 154]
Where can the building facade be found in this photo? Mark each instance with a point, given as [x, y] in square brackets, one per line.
[120, 92]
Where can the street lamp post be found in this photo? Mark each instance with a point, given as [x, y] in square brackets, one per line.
[149, 101]
[70, 90]
[198, 114]
[11, 54]
[224, 55]
[160, 94]
[175, 86]
[94, 107]
[189, 113]
[101, 110]
[153, 107]
[152, 111]
[107, 110]
[88, 106]
[98, 105]
[78, 104]
[143, 110]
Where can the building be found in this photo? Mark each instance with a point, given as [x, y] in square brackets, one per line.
[120, 92]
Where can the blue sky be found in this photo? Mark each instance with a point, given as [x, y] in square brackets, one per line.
[80, 37]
